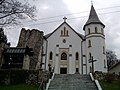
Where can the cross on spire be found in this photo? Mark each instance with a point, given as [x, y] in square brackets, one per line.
[64, 19]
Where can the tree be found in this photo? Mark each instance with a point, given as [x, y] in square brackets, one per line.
[12, 11]
[111, 58]
[3, 37]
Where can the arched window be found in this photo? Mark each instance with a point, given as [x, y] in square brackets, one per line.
[67, 32]
[64, 31]
[51, 55]
[89, 43]
[90, 56]
[104, 64]
[95, 29]
[103, 50]
[102, 31]
[61, 33]
[88, 30]
[77, 56]
[63, 56]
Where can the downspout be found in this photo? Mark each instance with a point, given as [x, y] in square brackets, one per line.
[82, 56]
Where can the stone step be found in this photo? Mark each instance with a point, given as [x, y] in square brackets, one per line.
[72, 82]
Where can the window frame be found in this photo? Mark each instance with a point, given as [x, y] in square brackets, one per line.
[51, 55]
[76, 56]
[63, 56]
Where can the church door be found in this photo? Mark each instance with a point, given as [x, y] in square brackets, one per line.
[63, 70]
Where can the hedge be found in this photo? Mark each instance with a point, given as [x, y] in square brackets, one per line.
[17, 76]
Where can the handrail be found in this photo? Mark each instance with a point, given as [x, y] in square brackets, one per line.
[49, 81]
[98, 85]
[91, 76]
[96, 82]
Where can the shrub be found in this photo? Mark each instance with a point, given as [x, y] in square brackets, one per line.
[32, 80]
[4, 77]
[15, 76]
[109, 77]
[118, 81]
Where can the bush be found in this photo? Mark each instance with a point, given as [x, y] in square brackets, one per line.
[15, 76]
[109, 77]
[4, 77]
[32, 79]
[118, 81]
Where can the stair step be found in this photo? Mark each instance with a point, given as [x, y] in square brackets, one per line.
[72, 82]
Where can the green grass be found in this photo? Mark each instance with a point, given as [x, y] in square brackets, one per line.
[110, 86]
[18, 87]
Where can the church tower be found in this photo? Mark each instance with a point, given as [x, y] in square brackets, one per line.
[95, 43]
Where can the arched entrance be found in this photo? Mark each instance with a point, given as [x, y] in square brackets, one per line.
[63, 60]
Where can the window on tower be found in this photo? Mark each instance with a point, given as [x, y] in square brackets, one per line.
[103, 50]
[104, 64]
[90, 56]
[88, 30]
[51, 56]
[89, 43]
[96, 30]
[102, 31]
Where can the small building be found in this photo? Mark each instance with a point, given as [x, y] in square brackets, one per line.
[17, 57]
[115, 68]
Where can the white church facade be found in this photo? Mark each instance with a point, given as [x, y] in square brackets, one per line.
[67, 51]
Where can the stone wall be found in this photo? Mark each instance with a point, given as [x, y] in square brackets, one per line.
[33, 39]
[3, 45]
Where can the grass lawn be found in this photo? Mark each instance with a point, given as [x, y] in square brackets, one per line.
[18, 87]
[110, 86]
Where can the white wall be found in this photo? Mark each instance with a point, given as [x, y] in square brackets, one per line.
[116, 69]
[96, 49]
[56, 39]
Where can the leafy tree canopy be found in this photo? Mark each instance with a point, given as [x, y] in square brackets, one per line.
[111, 58]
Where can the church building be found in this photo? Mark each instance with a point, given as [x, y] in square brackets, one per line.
[66, 51]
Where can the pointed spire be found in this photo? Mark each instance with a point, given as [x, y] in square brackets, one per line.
[93, 18]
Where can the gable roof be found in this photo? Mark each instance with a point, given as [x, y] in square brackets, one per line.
[93, 18]
[80, 35]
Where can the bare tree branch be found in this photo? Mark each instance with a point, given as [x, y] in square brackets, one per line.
[11, 11]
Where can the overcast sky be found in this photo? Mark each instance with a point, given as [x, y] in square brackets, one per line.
[50, 13]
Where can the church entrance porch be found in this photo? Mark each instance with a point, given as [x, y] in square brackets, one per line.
[63, 70]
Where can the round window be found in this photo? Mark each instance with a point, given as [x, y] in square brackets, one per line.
[64, 41]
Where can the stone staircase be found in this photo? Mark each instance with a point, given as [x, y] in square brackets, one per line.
[72, 82]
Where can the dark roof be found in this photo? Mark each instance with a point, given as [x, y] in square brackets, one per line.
[93, 18]
[80, 35]
[15, 50]
[19, 50]
[118, 63]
